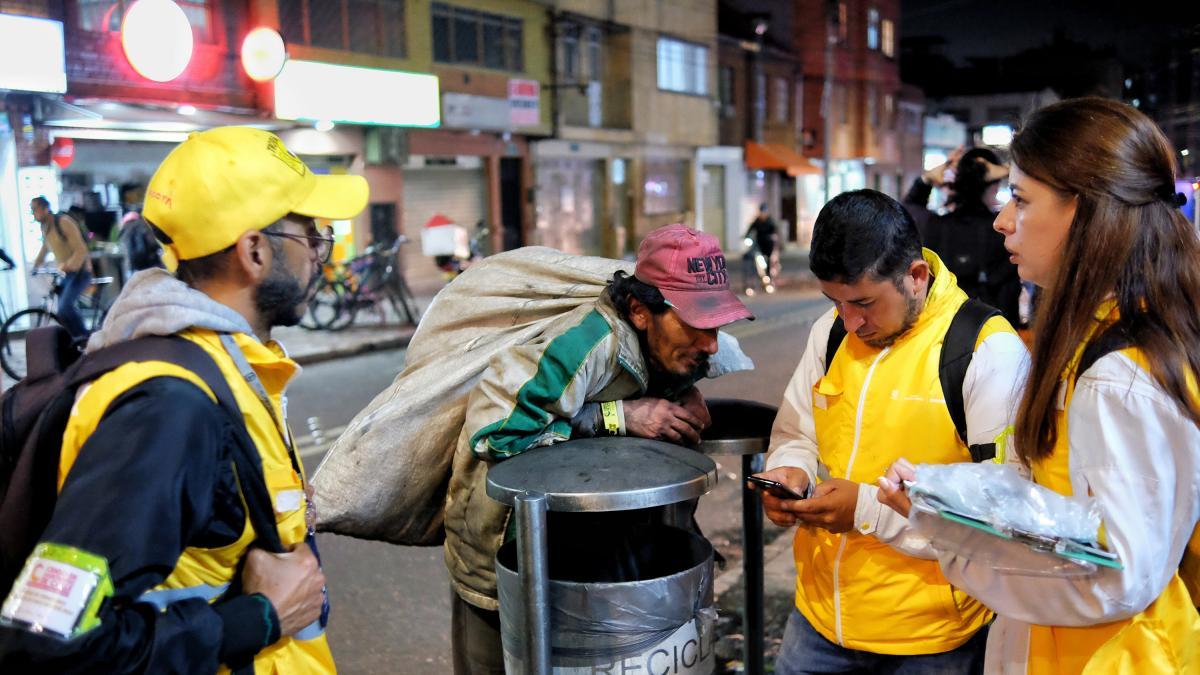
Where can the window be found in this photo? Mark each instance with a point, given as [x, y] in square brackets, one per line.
[873, 108]
[581, 58]
[570, 43]
[725, 91]
[478, 38]
[889, 38]
[872, 28]
[664, 188]
[779, 100]
[106, 15]
[682, 66]
[843, 19]
[364, 26]
[889, 111]
[594, 55]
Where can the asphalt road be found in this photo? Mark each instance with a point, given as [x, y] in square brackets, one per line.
[391, 604]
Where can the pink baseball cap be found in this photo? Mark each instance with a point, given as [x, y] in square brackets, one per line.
[688, 268]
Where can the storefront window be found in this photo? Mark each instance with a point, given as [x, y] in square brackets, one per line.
[101, 16]
[664, 186]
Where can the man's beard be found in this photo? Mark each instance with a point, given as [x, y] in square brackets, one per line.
[280, 298]
[912, 310]
[664, 383]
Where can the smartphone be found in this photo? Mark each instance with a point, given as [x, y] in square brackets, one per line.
[776, 488]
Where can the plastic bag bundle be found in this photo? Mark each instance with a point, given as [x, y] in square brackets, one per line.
[386, 477]
[998, 495]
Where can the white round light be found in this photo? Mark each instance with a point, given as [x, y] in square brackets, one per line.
[263, 54]
[323, 125]
[157, 39]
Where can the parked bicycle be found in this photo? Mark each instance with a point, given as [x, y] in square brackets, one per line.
[93, 307]
[372, 281]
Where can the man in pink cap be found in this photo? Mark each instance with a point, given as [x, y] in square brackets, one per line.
[625, 365]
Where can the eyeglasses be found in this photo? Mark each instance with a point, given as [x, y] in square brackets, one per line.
[321, 243]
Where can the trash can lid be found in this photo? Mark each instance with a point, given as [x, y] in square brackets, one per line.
[739, 427]
[604, 474]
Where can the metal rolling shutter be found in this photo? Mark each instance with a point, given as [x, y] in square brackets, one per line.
[459, 194]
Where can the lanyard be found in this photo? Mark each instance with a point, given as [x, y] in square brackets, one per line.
[239, 359]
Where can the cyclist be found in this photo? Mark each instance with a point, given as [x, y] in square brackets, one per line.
[65, 241]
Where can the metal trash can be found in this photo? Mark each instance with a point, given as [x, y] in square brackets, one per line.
[660, 623]
[744, 428]
[565, 615]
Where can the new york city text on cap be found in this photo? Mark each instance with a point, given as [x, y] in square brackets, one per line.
[689, 269]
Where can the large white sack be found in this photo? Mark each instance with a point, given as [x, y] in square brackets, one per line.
[385, 478]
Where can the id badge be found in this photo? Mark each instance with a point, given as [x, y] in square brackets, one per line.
[58, 592]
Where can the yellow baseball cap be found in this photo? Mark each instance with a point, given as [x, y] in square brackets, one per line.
[221, 183]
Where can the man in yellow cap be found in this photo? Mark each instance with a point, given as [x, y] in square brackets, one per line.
[150, 545]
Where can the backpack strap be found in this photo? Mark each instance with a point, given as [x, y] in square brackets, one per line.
[188, 355]
[958, 348]
[837, 333]
[1112, 339]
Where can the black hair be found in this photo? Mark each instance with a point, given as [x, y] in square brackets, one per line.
[41, 201]
[970, 178]
[196, 270]
[624, 286]
[863, 232]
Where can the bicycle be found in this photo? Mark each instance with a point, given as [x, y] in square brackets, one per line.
[372, 280]
[93, 308]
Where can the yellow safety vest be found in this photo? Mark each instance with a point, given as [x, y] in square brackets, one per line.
[1164, 638]
[204, 572]
[871, 407]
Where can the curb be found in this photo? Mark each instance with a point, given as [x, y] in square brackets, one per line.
[396, 342]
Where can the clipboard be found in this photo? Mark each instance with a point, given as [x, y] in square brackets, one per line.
[1069, 549]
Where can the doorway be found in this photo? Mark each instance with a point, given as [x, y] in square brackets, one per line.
[510, 203]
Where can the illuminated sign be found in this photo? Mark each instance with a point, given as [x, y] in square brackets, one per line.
[263, 54]
[307, 90]
[157, 39]
[31, 55]
[997, 135]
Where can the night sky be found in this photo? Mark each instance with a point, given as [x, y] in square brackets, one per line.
[975, 28]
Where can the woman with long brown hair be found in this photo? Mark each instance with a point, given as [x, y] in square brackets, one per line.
[1111, 409]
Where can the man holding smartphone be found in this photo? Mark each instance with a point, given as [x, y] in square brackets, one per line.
[870, 596]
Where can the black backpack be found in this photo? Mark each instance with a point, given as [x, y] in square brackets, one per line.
[958, 347]
[35, 413]
[141, 247]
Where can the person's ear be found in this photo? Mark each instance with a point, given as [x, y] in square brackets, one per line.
[253, 256]
[639, 314]
[920, 274]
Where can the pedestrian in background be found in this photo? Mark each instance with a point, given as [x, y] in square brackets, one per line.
[760, 259]
[62, 237]
[963, 237]
[1112, 408]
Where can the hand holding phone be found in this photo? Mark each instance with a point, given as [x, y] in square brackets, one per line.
[775, 488]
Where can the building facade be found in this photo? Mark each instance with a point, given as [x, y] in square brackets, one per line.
[631, 93]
